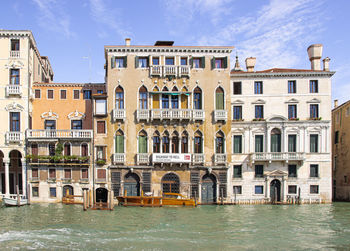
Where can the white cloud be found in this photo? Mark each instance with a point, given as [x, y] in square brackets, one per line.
[53, 18]
[108, 17]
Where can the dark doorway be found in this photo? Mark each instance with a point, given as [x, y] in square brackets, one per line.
[208, 189]
[275, 190]
[3, 183]
[101, 194]
[68, 190]
[132, 184]
[12, 184]
[171, 183]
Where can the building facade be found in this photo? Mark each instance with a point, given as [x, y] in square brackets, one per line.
[340, 151]
[281, 132]
[167, 126]
[20, 65]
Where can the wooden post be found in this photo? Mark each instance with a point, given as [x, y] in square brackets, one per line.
[235, 192]
[142, 198]
[28, 192]
[18, 197]
[84, 200]
[222, 196]
[108, 200]
[112, 199]
[91, 199]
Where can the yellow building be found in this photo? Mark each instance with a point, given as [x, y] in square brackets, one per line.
[167, 121]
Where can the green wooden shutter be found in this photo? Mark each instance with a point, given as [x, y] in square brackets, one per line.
[225, 62]
[112, 62]
[213, 63]
[219, 101]
[258, 143]
[126, 61]
[276, 143]
[291, 143]
[119, 144]
[136, 61]
[203, 62]
[237, 148]
[142, 144]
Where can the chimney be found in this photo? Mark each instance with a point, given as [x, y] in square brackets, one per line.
[315, 53]
[335, 103]
[127, 41]
[250, 64]
[326, 64]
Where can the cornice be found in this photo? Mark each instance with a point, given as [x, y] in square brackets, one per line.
[283, 74]
[167, 49]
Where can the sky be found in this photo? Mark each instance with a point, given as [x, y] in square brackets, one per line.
[73, 33]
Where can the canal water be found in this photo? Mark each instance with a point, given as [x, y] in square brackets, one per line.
[255, 227]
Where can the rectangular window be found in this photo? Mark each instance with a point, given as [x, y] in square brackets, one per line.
[259, 111]
[169, 61]
[314, 171]
[67, 173]
[237, 171]
[259, 143]
[314, 111]
[101, 127]
[292, 111]
[292, 86]
[84, 173]
[37, 94]
[314, 189]
[35, 191]
[14, 76]
[199, 62]
[313, 86]
[336, 137]
[259, 189]
[87, 94]
[258, 87]
[237, 112]
[237, 189]
[15, 122]
[100, 153]
[101, 174]
[237, 144]
[292, 143]
[292, 171]
[77, 124]
[143, 62]
[237, 88]
[53, 192]
[313, 143]
[14, 44]
[52, 173]
[219, 63]
[155, 61]
[50, 124]
[259, 171]
[49, 94]
[76, 94]
[292, 189]
[35, 173]
[99, 91]
[63, 94]
[119, 62]
[101, 106]
[183, 61]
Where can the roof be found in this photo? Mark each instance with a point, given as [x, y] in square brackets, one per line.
[341, 106]
[66, 84]
[176, 46]
[277, 70]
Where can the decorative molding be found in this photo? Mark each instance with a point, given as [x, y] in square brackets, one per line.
[76, 115]
[259, 101]
[14, 64]
[14, 107]
[292, 101]
[314, 100]
[238, 102]
[49, 115]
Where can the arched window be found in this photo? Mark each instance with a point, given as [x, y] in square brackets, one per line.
[84, 150]
[165, 99]
[175, 98]
[143, 142]
[184, 142]
[67, 150]
[52, 149]
[184, 98]
[155, 98]
[171, 183]
[143, 98]
[198, 142]
[119, 98]
[175, 142]
[275, 140]
[165, 142]
[219, 98]
[156, 142]
[119, 142]
[197, 98]
[220, 142]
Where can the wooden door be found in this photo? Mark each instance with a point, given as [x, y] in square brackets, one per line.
[208, 189]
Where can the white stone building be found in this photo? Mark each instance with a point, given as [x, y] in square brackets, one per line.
[281, 132]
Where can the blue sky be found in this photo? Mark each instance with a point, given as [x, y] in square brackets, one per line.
[276, 32]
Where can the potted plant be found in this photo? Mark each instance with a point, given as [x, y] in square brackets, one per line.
[100, 162]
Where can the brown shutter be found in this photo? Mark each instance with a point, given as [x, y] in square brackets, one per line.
[76, 94]
[101, 174]
[50, 94]
[63, 94]
[35, 173]
[67, 173]
[84, 150]
[52, 173]
[101, 127]
[37, 93]
[84, 174]
[35, 149]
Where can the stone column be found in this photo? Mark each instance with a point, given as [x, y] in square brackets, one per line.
[7, 176]
[24, 176]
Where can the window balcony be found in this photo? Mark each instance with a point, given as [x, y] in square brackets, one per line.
[13, 137]
[279, 156]
[170, 70]
[156, 70]
[142, 114]
[49, 134]
[197, 158]
[180, 114]
[220, 115]
[198, 114]
[13, 90]
[119, 158]
[15, 54]
[184, 70]
[119, 114]
[220, 158]
[142, 158]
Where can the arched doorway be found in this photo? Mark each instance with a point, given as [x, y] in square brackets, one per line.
[68, 190]
[208, 189]
[132, 184]
[101, 194]
[171, 183]
[15, 172]
[275, 190]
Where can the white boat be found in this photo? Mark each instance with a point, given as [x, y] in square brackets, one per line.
[13, 201]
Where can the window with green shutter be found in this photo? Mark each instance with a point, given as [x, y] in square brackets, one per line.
[219, 98]
[259, 143]
[275, 140]
[119, 142]
[313, 143]
[292, 143]
[237, 171]
[142, 144]
[237, 144]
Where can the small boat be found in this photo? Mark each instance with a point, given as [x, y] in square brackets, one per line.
[12, 200]
[168, 199]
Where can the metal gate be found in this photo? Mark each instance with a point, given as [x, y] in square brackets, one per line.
[171, 183]
[208, 189]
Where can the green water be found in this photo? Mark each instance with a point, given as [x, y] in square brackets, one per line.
[258, 227]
